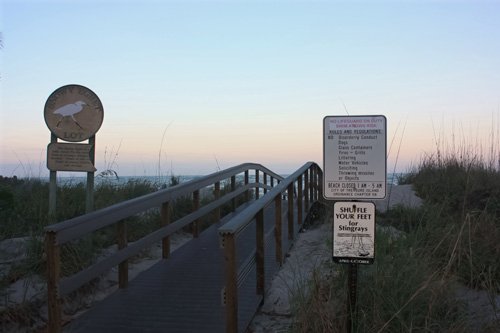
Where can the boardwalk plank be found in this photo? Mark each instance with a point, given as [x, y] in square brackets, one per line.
[183, 293]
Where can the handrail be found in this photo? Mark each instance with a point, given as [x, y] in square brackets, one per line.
[58, 234]
[308, 178]
[240, 221]
[69, 284]
[78, 226]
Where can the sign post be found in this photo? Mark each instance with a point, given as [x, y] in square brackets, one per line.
[353, 243]
[73, 113]
[354, 169]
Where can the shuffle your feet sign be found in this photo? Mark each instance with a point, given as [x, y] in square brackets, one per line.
[354, 232]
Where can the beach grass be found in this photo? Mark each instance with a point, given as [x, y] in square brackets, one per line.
[422, 255]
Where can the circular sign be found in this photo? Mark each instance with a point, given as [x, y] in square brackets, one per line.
[73, 113]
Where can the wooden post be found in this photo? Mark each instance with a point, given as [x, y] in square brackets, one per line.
[89, 202]
[316, 174]
[231, 284]
[290, 211]
[165, 220]
[265, 182]
[52, 188]
[196, 206]
[217, 196]
[278, 229]
[247, 193]
[320, 184]
[316, 187]
[257, 188]
[311, 185]
[233, 188]
[52, 251]
[299, 200]
[306, 188]
[259, 256]
[123, 266]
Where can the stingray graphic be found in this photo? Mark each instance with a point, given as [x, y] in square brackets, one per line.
[69, 110]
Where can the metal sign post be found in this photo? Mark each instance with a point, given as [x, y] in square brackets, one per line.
[73, 113]
[352, 280]
[354, 169]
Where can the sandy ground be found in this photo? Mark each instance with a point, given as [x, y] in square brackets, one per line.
[310, 252]
[398, 195]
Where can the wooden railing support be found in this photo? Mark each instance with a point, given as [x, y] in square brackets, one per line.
[247, 193]
[257, 190]
[231, 291]
[311, 187]
[52, 251]
[320, 184]
[306, 188]
[196, 206]
[278, 229]
[317, 185]
[123, 266]
[233, 187]
[265, 182]
[164, 221]
[299, 200]
[290, 211]
[259, 256]
[217, 196]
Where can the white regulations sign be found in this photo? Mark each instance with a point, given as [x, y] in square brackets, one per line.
[354, 232]
[354, 157]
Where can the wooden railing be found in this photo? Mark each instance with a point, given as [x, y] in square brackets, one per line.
[307, 181]
[57, 235]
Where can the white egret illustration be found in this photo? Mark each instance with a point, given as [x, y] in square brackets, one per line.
[69, 110]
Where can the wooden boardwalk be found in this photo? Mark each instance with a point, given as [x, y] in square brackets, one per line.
[184, 293]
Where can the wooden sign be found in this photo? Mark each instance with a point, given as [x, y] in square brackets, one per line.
[73, 113]
[69, 157]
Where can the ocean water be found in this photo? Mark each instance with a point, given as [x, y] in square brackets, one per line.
[162, 181]
[122, 180]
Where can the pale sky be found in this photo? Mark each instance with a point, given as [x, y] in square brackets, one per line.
[229, 82]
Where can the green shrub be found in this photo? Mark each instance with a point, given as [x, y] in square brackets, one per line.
[463, 185]
[466, 193]
[402, 291]
[405, 219]
[452, 238]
